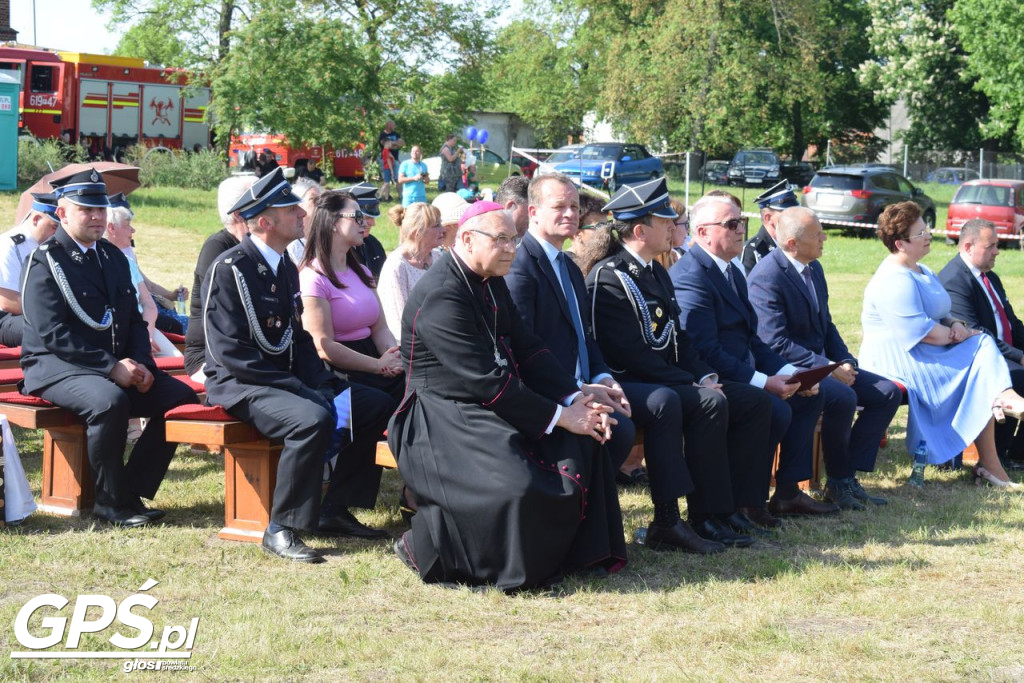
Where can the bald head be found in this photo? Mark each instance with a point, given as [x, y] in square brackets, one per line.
[799, 233]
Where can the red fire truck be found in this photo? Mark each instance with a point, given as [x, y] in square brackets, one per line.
[106, 101]
[342, 163]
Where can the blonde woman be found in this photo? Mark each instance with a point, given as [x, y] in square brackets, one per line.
[419, 233]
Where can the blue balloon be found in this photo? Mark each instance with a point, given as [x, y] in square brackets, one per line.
[482, 137]
[471, 133]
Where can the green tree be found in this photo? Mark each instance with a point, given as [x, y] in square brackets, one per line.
[992, 31]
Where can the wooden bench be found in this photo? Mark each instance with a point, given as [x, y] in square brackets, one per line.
[10, 357]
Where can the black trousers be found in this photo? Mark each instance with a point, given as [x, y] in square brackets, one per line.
[11, 327]
[106, 409]
[792, 427]
[1009, 438]
[304, 422]
[355, 480]
[851, 446]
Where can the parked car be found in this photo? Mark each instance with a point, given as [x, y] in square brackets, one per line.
[611, 164]
[755, 167]
[999, 201]
[491, 168]
[859, 194]
[716, 172]
[798, 173]
[952, 176]
[528, 165]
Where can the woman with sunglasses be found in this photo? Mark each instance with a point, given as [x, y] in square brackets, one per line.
[419, 233]
[956, 379]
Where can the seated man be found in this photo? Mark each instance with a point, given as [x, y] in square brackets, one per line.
[492, 435]
[86, 349]
[263, 368]
[772, 202]
[978, 298]
[722, 427]
[723, 326]
[15, 246]
[787, 288]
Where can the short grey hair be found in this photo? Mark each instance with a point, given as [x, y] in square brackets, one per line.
[971, 230]
[704, 204]
[792, 224]
[229, 192]
[119, 215]
[303, 185]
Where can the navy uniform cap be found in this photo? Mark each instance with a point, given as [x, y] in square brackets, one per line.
[366, 195]
[643, 199]
[45, 203]
[778, 197]
[85, 188]
[270, 190]
[120, 200]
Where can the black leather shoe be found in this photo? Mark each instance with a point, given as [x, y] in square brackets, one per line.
[760, 517]
[863, 496]
[800, 504]
[139, 508]
[741, 524]
[122, 517]
[680, 537]
[344, 523]
[404, 552]
[841, 493]
[714, 529]
[287, 545]
[637, 477]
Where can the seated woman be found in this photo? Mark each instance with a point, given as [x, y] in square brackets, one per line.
[680, 233]
[956, 379]
[342, 313]
[419, 233]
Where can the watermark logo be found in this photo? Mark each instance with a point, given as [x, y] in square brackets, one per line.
[175, 643]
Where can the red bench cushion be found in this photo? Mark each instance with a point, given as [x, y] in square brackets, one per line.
[10, 352]
[11, 376]
[170, 363]
[196, 412]
[175, 338]
[15, 397]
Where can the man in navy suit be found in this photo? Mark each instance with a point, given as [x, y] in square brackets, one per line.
[723, 325]
[978, 298]
[787, 288]
[551, 297]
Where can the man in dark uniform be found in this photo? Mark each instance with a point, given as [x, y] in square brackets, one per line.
[977, 296]
[15, 246]
[86, 348]
[772, 202]
[371, 251]
[493, 437]
[263, 368]
[724, 424]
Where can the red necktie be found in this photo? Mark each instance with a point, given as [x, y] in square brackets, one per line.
[1000, 311]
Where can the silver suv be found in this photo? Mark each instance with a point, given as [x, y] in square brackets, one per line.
[858, 194]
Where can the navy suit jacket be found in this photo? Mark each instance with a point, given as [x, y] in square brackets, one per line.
[970, 303]
[721, 322]
[787, 319]
[540, 300]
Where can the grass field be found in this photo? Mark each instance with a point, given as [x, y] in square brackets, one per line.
[923, 589]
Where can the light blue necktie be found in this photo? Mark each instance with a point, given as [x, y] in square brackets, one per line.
[574, 313]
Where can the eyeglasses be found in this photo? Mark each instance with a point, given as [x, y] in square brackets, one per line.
[358, 216]
[594, 226]
[731, 224]
[502, 240]
[924, 233]
[685, 225]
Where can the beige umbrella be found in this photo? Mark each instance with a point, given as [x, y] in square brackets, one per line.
[118, 178]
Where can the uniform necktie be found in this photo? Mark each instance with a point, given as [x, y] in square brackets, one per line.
[810, 286]
[1000, 311]
[574, 313]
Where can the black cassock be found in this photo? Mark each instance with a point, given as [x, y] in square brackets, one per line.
[499, 501]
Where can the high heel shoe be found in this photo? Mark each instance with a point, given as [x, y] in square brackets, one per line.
[982, 476]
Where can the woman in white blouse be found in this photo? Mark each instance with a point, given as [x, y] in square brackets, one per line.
[419, 232]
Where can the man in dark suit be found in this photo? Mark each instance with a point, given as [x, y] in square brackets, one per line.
[263, 368]
[979, 299]
[86, 348]
[718, 317]
[788, 291]
[550, 295]
[637, 326]
[771, 202]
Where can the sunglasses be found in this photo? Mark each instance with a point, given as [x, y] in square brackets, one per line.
[358, 216]
[731, 224]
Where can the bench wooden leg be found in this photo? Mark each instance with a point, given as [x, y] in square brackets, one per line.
[68, 486]
[250, 473]
[817, 463]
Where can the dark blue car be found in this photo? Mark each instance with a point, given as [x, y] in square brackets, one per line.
[611, 164]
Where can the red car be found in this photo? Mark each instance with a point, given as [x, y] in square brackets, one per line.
[527, 165]
[999, 201]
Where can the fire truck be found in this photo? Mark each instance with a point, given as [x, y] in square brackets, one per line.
[341, 163]
[105, 101]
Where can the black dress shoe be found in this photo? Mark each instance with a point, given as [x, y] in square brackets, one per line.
[863, 496]
[680, 537]
[139, 508]
[404, 551]
[637, 477]
[741, 524]
[344, 523]
[287, 545]
[119, 516]
[714, 529]
[841, 493]
[761, 517]
[800, 504]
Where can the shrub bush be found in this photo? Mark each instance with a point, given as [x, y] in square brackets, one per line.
[174, 168]
[36, 158]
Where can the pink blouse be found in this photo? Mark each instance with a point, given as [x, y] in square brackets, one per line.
[354, 309]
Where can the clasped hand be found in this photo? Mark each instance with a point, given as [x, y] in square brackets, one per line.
[608, 392]
[589, 417]
[127, 373]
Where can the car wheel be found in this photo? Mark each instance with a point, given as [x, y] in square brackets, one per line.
[613, 184]
[929, 220]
